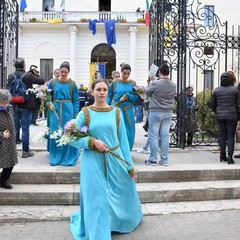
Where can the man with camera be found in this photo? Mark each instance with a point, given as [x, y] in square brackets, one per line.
[23, 111]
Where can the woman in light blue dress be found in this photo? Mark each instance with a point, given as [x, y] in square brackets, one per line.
[109, 200]
[65, 103]
[120, 95]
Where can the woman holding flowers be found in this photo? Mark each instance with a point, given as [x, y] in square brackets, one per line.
[64, 106]
[121, 94]
[108, 196]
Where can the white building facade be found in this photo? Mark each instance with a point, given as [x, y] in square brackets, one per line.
[48, 45]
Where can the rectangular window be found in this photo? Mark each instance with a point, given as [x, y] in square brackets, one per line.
[209, 16]
[47, 5]
[104, 5]
[208, 79]
[46, 69]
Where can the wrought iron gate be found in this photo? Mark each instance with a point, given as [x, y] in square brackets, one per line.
[8, 38]
[195, 43]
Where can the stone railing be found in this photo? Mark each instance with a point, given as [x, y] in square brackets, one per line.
[74, 16]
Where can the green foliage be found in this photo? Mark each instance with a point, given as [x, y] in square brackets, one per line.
[206, 117]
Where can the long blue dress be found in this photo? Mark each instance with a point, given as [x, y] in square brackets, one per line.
[108, 197]
[116, 90]
[66, 103]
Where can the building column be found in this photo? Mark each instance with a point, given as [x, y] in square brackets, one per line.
[132, 50]
[73, 40]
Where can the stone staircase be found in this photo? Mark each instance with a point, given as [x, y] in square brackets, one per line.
[193, 177]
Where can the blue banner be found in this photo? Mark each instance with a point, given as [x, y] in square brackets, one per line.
[23, 5]
[102, 70]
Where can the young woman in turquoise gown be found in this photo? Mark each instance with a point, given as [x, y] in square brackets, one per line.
[120, 95]
[65, 103]
[109, 200]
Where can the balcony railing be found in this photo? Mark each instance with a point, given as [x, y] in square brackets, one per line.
[74, 16]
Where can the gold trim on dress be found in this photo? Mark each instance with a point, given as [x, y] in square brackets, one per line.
[99, 109]
[86, 116]
[128, 81]
[61, 81]
[91, 142]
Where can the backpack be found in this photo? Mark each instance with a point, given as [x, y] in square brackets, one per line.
[18, 89]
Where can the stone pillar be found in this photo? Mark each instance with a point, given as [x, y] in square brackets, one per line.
[132, 50]
[73, 39]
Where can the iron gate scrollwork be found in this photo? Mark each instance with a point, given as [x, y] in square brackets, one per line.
[8, 37]
[197, 55]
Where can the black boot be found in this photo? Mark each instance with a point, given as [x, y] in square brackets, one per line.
[5, 185]
[223, 157]
[230, 160]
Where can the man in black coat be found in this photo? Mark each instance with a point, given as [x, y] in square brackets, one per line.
[23, 111]
[82, 97]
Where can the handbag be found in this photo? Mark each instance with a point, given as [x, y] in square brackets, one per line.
[146, 105]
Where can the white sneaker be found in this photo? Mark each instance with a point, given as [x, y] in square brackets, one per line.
[216, 150]
[142, 150]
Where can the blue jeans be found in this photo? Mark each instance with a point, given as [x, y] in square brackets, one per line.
[138, 109]
[159, 126]
[145, 147]
[22, 118]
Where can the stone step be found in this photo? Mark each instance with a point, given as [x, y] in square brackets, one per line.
[184, 166]
[36, 213]
[68, 194]
[72, 176]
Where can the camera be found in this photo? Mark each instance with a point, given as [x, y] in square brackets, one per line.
[33, 70]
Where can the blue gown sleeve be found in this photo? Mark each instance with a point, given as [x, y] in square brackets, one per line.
[81, 143]
[123, 141]
[75, 100]
[132, 97]
[110, 94]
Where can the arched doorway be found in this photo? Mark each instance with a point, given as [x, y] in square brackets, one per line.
[103, 53]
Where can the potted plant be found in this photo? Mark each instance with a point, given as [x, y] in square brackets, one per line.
[32, 20]
[140, 20]
[83, 20]
[122, 20]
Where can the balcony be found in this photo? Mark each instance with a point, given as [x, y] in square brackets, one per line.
[81, 17]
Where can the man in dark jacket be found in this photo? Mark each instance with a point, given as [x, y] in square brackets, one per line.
[82, 97]
[23, 111]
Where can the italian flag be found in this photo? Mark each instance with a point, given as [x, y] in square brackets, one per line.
[147, 17]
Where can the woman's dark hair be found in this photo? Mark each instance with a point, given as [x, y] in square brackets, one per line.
[226, 79]
[19, 63]
[188, 88]
[125, 67]
[95, 82]
[65, 64]
[164, 69]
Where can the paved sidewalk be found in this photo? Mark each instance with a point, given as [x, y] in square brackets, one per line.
[198, 158]
[188, 226]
